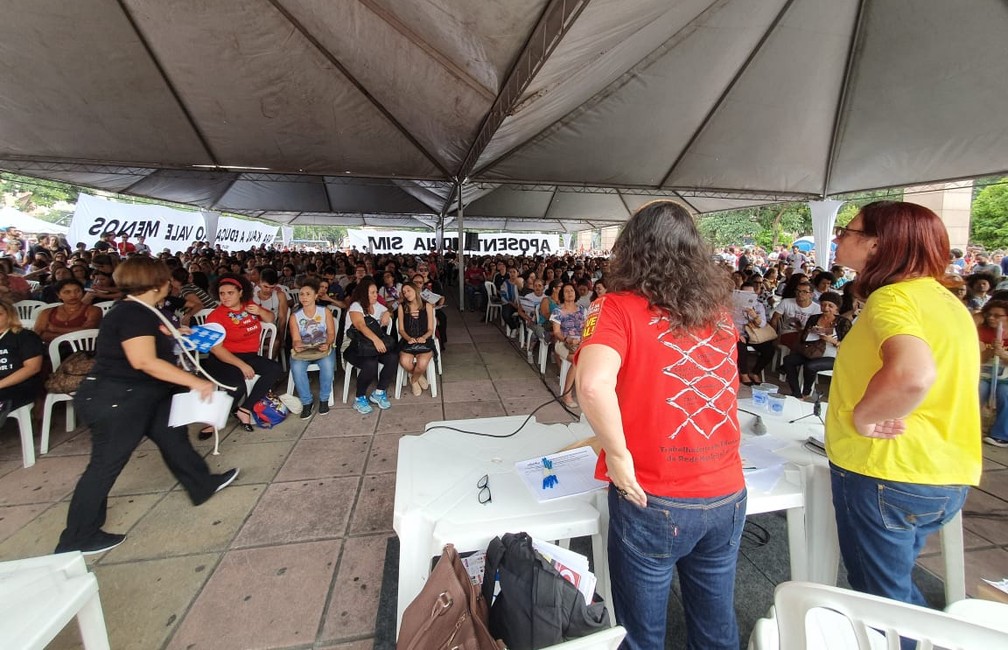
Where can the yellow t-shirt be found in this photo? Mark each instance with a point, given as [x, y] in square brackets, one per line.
[941, 445]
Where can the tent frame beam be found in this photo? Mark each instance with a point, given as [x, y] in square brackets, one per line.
[842, 96]
[554, 23]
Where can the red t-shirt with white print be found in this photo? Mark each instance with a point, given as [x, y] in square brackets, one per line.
[678, 398]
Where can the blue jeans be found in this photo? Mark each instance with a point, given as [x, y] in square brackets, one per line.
[883, 526]
[700, 538]
[1000, 429]
[299, 370]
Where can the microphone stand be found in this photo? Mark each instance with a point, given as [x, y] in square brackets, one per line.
[816, 411]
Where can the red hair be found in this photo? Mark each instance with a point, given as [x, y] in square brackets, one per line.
[912, 243]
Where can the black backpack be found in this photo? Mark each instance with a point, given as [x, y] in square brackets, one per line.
[536, 606]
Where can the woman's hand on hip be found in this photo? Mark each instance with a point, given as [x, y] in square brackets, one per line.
[621, 472]
[887, 429]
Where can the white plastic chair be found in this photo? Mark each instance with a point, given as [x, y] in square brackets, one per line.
[77, 341]
[105, 306]
[267, 335]
[46, 593]
[605, 640]
[494, 303]
[314, 367]
[350, 369]
[28, 310]
[199, 318]
[34, 285]
[870, 618]
[23, 416]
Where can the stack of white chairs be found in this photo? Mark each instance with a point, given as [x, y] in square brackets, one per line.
[494, 302]
[40, 595]
[83, 340]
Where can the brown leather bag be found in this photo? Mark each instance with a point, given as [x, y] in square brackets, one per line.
[448, 613]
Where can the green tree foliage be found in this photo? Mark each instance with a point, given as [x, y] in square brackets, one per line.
[31, 193]
[989, 218]
[333, 234]
[766, 226]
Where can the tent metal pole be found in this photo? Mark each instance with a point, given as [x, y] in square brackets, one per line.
[460, 254]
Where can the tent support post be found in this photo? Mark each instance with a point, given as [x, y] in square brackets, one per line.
[459, 253]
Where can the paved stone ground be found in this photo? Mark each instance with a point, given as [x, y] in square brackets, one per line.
[291, 555]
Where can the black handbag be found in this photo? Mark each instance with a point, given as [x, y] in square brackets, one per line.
[362, 346]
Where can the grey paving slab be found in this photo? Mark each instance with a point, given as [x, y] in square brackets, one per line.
[13, 518]
[300, 511]
[995, 483]
[478, 390]
[991, 564]
[269, 597]
[8, 466]
[76, 445]
[413, 417]
[521, 389]
[464, 371]
[469, 410]
[383, 453]
[175, 527]
[325, 458]
[344, 422]
[549, 414]
[258, 462]
[144, 602]
[992, 529]
[48, 480]
[354, 605]
[373, 513]
[145, 473]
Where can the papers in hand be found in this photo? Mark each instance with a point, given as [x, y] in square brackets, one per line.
[1001, 585]
[429, 296]
[572, 566]
[563, 474]
[187, 408]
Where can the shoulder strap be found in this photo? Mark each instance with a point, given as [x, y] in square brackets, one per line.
[495, 553]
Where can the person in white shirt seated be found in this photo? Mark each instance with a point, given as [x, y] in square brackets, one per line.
[531, 304]
[789, 317]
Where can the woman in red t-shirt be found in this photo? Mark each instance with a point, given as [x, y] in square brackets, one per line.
[237, 357]
[658, 379]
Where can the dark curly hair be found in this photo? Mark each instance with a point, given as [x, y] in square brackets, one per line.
[661, 256]
[231, 278]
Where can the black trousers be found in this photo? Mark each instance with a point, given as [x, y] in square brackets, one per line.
[269, 372]
[369, 370]
[764, 355]
[794, 361]
[120, 415]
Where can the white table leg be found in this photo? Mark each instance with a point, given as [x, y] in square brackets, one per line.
[91, 622]
[823, 545]
[797, 543]
[600, 552]
[953, 549]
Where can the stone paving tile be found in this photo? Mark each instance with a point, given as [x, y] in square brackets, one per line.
[458, 348]
[362, 644]
[341, 423]
[373, 513]
[469, 410]
[485, 333]
[354, 605]
[970, 541]
[143, 602]
[521, 389]
[145, 473]
[988, 563]
[13, 518]
[289, 429]
[77, 445]
[384, 452]
[407, 397]
[325, 457]
[8, 466]
[995, 483]
[175, 527]
[454, 371]
[261, 598]
[39, 536]
[549, 414]
[480, 390]
[990, 464]
[300, 511]
[983, 503]
[996, 454]
[259, 463]
[409, 418]
[48, 480]
[516, 369]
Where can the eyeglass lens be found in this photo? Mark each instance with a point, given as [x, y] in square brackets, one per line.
[484, 495]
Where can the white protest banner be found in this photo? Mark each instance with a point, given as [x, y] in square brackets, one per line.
[405, 241]
[163, 227]
[239, 235]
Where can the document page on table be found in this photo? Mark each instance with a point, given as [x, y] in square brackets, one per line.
[762, 466]
[559, 475]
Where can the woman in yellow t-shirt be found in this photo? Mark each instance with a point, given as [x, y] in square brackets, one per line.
[902, 429]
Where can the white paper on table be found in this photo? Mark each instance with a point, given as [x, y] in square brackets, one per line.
[763, 480]
[572, 566]
[1001, 585]
[187, 408]
[760, 452]
[574, 471]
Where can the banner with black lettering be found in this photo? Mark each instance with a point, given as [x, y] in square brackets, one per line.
[409, 242]
[163, 227]
[240, 235]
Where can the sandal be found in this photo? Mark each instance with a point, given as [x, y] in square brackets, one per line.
[246, 425]
[206, 433]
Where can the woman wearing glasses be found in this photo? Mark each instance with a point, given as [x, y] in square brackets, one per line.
[658, 381]
[901, 429]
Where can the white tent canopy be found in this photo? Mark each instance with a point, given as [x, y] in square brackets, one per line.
[11, 217]
[569, 112]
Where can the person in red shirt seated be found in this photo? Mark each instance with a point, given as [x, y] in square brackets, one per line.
[237, 357]
[125, 246]
[475, 292]
[658, 380]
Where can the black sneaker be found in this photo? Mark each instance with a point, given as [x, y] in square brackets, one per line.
[100, 542]
[306, 411]
[323, 407]
[226, 479]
